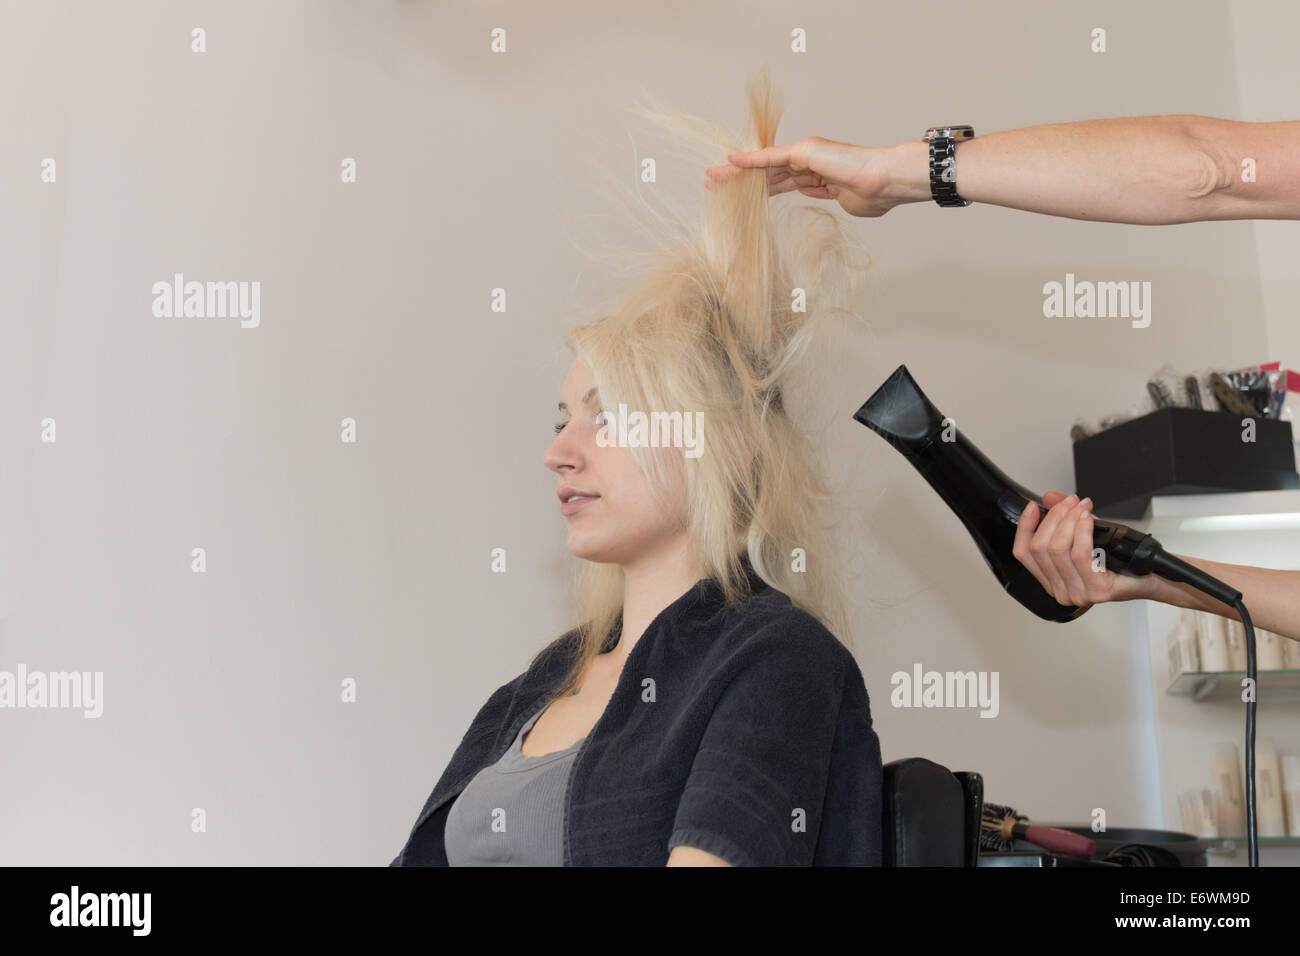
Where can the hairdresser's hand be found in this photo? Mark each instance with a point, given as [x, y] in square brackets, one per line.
[859, 178]
[1058, 552]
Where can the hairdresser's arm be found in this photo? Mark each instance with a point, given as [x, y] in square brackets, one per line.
[1147, 170]
[1058, 552]
[1272, 597]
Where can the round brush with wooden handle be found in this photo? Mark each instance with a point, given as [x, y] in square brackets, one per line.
[1000, 826]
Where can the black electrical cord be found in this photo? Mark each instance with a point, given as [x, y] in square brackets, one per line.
[1252, 825]
[1152, 557]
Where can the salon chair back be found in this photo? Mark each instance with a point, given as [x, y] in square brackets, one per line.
[930, 815]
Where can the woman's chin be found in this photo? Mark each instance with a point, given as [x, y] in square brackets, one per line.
[600, 552]
[583, 549]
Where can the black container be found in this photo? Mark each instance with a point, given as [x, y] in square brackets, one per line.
[1181, 451]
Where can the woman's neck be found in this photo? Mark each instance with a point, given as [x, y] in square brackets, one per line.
[649, 586]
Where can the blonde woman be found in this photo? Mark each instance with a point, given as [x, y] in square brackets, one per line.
[703, 712]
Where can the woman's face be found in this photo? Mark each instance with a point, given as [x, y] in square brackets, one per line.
[623, 524]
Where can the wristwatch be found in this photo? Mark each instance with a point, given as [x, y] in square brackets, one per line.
[943, 142]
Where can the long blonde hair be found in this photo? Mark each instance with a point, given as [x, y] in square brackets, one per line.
[712, 327]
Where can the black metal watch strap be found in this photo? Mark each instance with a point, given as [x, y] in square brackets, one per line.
[943, 158]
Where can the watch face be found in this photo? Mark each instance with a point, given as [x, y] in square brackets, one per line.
[949, 132]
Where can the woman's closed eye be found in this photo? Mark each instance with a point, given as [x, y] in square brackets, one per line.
[600, 419]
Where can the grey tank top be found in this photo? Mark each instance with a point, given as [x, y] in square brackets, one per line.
[512, 813]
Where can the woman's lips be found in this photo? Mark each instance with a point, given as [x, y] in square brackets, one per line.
[569, 507]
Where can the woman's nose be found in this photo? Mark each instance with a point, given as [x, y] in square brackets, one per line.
[561, 453]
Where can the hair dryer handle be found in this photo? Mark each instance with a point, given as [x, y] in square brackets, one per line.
[1128, 551]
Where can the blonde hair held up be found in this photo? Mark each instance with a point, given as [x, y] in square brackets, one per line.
[714, 326]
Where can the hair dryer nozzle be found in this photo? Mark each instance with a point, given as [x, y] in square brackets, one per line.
[900, 413]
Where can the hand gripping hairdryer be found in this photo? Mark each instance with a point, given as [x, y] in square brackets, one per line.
[989, 505]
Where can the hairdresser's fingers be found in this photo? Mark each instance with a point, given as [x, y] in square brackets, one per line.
[809, 184]
[834, 161]
[1052, 497]
[1058, 561]
[726, 172]
[1020, 547]
[1040, 546]
[779, 180]
[715, 176]
[819, 192]
[854, 176]
[798, 183]
[1104, 585]
[1064, 556]
[1055, 513]
[1098, 583]
[806, 183]
[767, 156]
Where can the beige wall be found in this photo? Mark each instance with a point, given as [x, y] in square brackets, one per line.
[1269, 76]
[328, 561]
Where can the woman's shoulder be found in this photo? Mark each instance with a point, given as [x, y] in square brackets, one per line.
[777, 643]
[772, 626]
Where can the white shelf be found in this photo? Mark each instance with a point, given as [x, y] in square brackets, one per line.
[1184, 727]
[1257, 512]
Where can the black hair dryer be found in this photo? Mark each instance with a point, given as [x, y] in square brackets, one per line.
[986, 500]
[989, 503]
